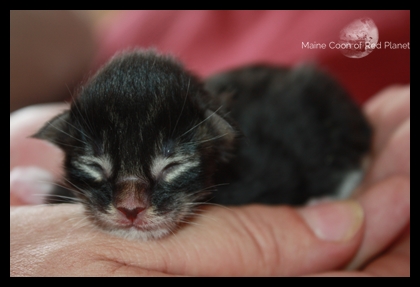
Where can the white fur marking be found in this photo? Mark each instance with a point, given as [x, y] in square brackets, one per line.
[160, 163]
[102, 161]
[178, 170]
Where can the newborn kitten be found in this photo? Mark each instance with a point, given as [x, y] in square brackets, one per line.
[146, 142]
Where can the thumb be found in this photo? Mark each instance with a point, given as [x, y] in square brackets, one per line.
[256, 241]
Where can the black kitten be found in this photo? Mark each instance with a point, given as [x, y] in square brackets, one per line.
[146, 142]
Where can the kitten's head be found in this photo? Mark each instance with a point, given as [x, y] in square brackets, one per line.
[141, 143]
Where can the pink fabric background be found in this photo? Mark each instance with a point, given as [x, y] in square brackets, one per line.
[210, 41]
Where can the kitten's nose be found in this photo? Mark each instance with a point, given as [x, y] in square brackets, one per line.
[131, 199]
[131, 214]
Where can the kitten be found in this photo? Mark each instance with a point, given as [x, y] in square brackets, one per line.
[146, 142]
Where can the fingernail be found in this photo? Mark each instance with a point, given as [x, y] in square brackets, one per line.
[336, 221]
[30, 184]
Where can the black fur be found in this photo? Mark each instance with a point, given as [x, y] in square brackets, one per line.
[295, 134]
[303, 134]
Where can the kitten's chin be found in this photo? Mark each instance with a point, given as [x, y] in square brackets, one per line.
[147, 229]
[134, 233]
[148, 226]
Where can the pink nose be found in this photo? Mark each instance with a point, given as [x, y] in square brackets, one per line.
[131, 214]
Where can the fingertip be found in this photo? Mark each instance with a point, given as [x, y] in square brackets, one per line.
[373, 106]
[394, 157]
[29, 185]
[334, 221]
[387, 208]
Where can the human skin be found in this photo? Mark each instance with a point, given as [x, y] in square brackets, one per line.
[253, 240]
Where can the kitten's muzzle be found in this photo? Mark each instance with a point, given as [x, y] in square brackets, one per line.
[131, 199]
[132, 214]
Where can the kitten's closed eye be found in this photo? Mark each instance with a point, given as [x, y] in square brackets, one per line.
[168, 169]
[98, 168]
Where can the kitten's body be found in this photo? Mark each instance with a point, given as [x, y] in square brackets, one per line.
[304, 137]
[145, 142]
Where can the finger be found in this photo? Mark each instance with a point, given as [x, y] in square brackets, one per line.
[341, 274]
[386, 112]
[375, 103]
[261, 241]
[394, 158]
[247, 241]
[396, 260]
[26, 151]
[30, 185]
[387, 209]
[34, 164]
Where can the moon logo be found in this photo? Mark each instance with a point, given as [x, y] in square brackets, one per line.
[359, 38]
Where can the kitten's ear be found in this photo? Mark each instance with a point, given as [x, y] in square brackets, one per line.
[55, 130]
[221, 125]
[226, 132]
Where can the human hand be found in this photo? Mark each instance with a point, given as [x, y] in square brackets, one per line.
[389, 113]
[246, 241]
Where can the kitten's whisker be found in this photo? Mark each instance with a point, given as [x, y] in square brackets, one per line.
[190, 222]
[81, 223]
[65, 199]
[78, 189]
[60, 130]
[55, 183]
[206, 119]
[41, 204]
[43, 195]
[85, 119]
[219, 184]
[68, 89]
[200, 214]
[171, 230]
[183, 106]
[215, 204]
[204, 191]
[74, 218]
[65, 144]
[206, 140]
[79, 130]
